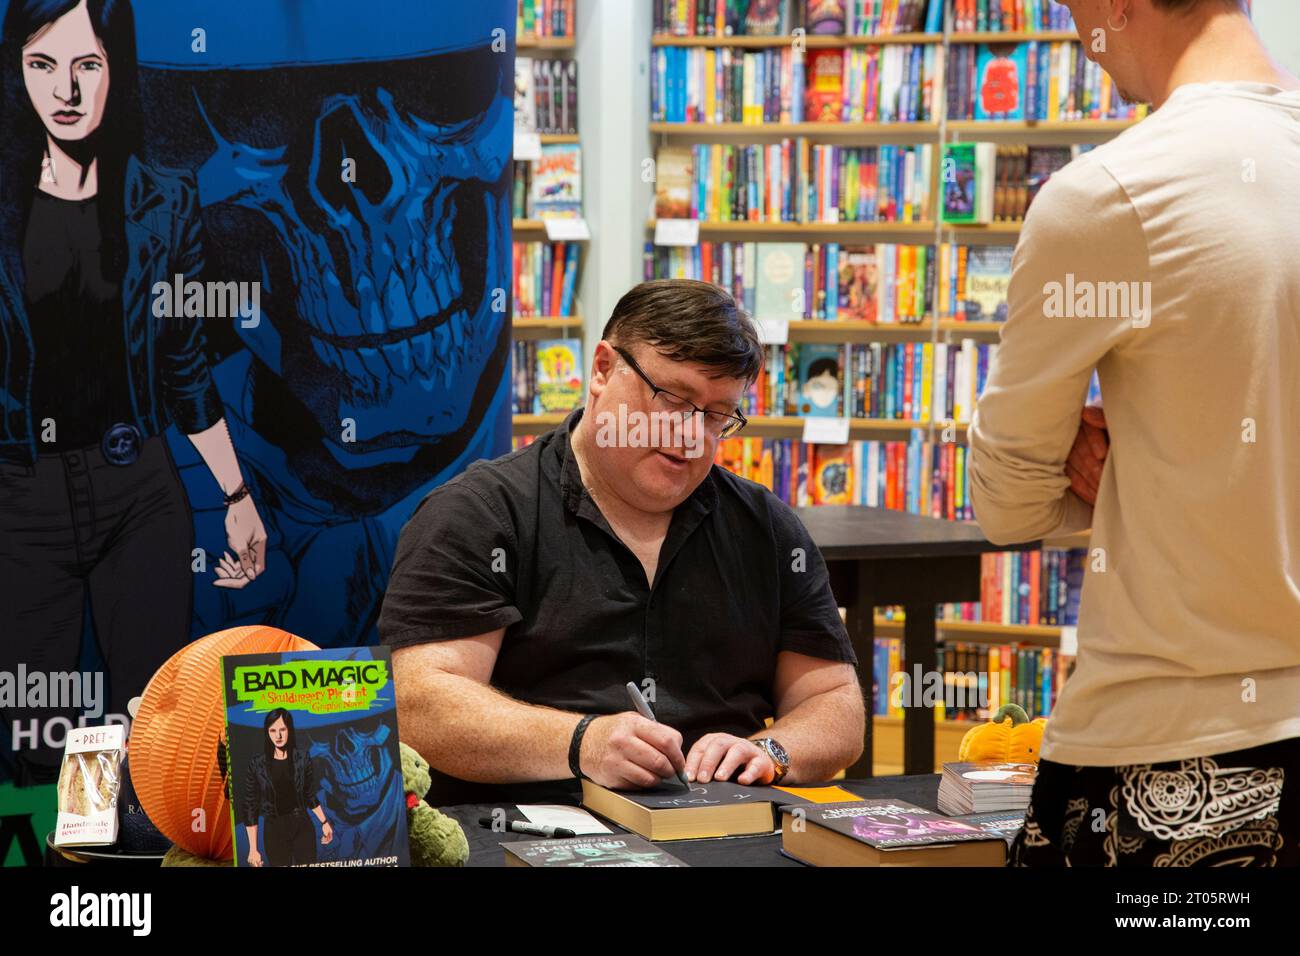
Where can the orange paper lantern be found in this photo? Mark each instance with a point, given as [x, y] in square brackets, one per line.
[175, 736]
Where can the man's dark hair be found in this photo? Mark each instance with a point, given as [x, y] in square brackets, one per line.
[689, 321]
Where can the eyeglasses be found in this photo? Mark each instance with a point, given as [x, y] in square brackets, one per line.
[718, 424]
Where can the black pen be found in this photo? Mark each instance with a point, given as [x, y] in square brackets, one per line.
[532, 829]
[642, 707]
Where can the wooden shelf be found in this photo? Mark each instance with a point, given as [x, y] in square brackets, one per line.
[981, 632]
[811, 41]
[542, 327]
[1018, 36]
[534, 226]
[759, 132]
[537, 424]
[854, 330]
[791, 426]
[544, 43]
[553, 138]
[745, 230]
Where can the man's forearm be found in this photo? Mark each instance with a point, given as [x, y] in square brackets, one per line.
[823, 734]
[472, 731]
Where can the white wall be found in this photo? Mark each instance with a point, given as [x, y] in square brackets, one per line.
[1278, 22]
[613, 119]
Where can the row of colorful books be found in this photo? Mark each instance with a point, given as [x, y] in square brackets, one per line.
[794, 181]
[890, 84]
[1027, 587]
[916, 476]
[984, 182]
[545, 277]
[546, 376]
[780, 17]
[908, 381]
[1031, 80]
[546, 95]
[1001, 16]
[545, 18]
[977, 679]
[885, 283]
[549, 187]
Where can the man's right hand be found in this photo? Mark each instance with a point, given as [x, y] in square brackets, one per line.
[1088, 454]
[628, 752]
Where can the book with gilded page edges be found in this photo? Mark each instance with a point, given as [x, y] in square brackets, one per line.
[885, 833]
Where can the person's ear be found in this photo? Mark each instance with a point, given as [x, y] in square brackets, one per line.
[602, 367]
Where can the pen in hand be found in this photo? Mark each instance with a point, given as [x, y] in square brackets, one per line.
[642, 707]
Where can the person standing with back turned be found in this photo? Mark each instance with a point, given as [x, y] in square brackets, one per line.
[1166, 261]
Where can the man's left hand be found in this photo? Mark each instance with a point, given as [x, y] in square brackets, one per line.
[718, 756]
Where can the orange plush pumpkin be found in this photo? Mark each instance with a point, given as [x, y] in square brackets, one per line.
[1010, 737]
[174, 738]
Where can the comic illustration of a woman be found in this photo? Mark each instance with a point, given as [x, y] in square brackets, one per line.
[91, 506]
[280, 788]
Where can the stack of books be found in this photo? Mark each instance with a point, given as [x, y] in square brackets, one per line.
[986, 786]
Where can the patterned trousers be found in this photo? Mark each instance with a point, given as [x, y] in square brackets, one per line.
[1232, 809]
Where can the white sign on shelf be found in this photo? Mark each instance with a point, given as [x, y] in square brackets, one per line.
[567, 230]
[528, 145]
[677, 232]
[773, 331]
[1069, 640]
[826, 431]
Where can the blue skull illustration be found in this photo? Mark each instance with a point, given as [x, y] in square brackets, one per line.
[360, 789]
[360, 172]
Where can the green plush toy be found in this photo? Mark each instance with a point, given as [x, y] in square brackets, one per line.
[435, 839]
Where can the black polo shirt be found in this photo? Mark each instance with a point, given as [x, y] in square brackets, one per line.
[517, 543]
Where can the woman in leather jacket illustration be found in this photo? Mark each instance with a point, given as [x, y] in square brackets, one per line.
[280, 788]
[91, 506]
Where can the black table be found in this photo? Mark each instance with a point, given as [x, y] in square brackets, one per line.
[485, 845]
[878, 557]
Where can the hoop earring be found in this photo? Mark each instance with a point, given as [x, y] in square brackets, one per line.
[1120, 28]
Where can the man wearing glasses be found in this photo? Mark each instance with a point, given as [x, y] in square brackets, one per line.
[528, 591]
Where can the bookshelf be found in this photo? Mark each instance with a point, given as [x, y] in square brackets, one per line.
[934, 129]
[545, 93]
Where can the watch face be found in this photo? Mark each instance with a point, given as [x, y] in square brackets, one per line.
[778, 752]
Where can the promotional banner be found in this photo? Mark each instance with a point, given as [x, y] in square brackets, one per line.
[254, 274]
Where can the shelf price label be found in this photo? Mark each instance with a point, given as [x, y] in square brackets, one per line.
[528, 145]
[677, 232]
[826, 431]
[567, 230]
[773, 331]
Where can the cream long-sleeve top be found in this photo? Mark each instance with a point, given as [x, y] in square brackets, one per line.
[1169, 261]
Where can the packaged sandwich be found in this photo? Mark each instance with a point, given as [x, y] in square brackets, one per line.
[88, 786]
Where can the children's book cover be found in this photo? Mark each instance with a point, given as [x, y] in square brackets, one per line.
[988, 277]
[559, 375]
[315, 770]
[819, 380]
[960, 192]
[778, 293]
[557, 181]
[857, 284]
[824, 98]
[1000, 82]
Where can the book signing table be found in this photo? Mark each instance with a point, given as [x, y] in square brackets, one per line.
[485, 844]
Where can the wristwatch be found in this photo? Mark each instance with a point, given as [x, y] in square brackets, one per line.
[776, 753]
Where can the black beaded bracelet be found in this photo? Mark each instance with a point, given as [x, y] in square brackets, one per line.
[575, 744]
[239, 494]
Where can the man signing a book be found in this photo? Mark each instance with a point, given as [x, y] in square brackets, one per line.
[530, 590]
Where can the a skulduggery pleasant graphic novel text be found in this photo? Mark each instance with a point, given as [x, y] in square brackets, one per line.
[315, 769]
